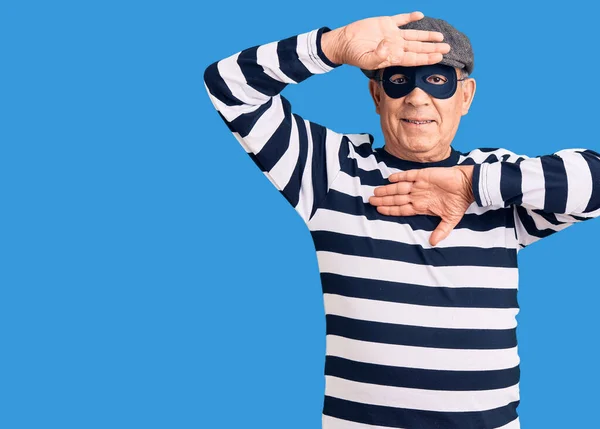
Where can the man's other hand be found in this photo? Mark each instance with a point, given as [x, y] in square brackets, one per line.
[439, 191]
[376, 43]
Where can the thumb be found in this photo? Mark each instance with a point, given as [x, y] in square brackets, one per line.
[381, 55]
[442, 231]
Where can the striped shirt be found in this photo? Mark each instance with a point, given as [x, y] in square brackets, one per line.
[417, 337]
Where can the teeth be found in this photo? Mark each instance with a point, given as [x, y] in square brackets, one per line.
[417, 122]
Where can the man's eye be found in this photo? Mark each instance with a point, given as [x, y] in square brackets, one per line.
[437, 79]
[399, 79]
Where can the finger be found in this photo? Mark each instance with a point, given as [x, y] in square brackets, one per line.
[405, 18]
[442, 231]
[404, 176]
[411, 59]
[422, 35]
[390, 200]
[393, 189]
[399, 188]
[426, 48]
[405, 210]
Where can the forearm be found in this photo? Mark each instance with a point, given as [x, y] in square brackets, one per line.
[567, 182]
[332, 43]
[250, 78]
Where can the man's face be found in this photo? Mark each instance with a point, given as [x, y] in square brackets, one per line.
[419, 124]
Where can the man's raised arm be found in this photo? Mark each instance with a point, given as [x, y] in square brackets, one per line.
[302, 158]
[245, 88]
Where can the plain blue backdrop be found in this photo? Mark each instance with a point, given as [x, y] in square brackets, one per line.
[152, 277]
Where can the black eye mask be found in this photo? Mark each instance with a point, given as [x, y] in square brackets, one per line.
[437, 80]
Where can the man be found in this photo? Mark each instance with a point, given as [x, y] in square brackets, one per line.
[419, 275]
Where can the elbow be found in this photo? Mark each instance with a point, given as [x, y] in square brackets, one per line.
[210, 74]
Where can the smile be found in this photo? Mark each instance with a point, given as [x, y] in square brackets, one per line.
[410, 121]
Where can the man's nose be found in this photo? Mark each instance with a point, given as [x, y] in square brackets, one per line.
[417, 97]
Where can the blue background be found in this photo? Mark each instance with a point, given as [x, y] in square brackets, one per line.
[152, 277]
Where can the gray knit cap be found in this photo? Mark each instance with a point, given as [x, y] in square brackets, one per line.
[461, 52]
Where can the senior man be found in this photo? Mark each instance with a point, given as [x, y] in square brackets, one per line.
[416, 242]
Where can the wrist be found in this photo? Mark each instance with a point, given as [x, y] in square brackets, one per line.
[467, 173]
[331, 45]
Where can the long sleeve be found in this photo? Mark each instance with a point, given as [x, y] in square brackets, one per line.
[299, 157]
[548, 193]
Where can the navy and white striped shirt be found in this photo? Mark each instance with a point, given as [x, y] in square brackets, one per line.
[417, 337]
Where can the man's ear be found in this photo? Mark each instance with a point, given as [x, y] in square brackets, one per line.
[375, 90]
[468, 93]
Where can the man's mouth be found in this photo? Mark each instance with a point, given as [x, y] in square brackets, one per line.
[418, 122]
